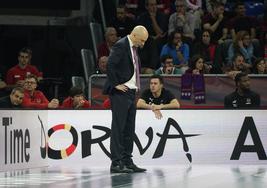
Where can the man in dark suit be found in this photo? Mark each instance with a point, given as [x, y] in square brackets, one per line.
[122, 83]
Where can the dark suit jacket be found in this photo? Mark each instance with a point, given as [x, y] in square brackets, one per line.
[120, 66]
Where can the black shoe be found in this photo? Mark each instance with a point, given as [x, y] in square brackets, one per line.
[135, 168]
[120, 169]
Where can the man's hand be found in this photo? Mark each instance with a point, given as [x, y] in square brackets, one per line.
[54, 103]
[155, 107]
[220, 17]
[79, 104]
[122, 88]
[158, 114]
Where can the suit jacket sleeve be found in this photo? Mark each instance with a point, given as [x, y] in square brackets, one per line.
[113, 64]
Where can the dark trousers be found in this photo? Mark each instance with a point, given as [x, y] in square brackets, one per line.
[123, 109]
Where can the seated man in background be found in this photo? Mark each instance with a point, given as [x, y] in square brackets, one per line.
[14, 100]
[177, 49]
[239, 65]
[15, 76]
[157, 97]
[34, 98]
[167, 66]
[242, 97]
[103, 49]
[76, 99]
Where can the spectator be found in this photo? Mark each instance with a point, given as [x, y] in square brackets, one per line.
[157, 26]
[194, 4]
[34, 98]
[104, 48]
[157, 97]
[155, 21]
[106, 104]
[209, 4]
[215, 22]
[102, 64]
[242, 97]
[123, 23]
[237, 66]
[14, 100]
[76, 99]
[183, 21]
[260, 67]
[16, 75]
[177, 49]
[167, 66]
[205, 47]
[243, 45]
[165, 6]
[197, 65]
[241, 22]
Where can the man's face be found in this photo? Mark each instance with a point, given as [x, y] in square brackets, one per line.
[219, 10]
[168, 66]
[180, 7]
[24, 58]
[78, 99]
[30, 84]
[177, 38]
[155, 85]
[239, 62]
[241, 10]
[140, 40]
[102, 64]
[244, 83]
[111, 37]
[16, 98]
[246, 40]
[152, 6]
[121, 13]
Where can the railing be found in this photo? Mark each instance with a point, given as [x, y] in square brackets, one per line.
[217, 87]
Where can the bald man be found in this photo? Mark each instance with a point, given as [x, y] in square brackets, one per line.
[122, 83]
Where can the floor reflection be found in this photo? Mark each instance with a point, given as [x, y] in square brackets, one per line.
[219, 176]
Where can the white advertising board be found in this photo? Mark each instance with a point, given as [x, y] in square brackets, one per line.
[180, 137]
[81, 137]
[22, 139]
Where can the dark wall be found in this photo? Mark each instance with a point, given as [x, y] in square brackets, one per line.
[56, 49]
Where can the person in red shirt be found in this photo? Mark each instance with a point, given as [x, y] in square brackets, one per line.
[34, 98]
[106, 104]
[76, 99]
[15, 76]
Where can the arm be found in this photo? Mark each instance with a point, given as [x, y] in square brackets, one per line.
[230, 55]
[183, 54]
[141, 103]
[233, 34]
[215, 25]
[224, 35]
[113, 61]
[171, 26]
[29, 104]
[253, 33]
[173, 104]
